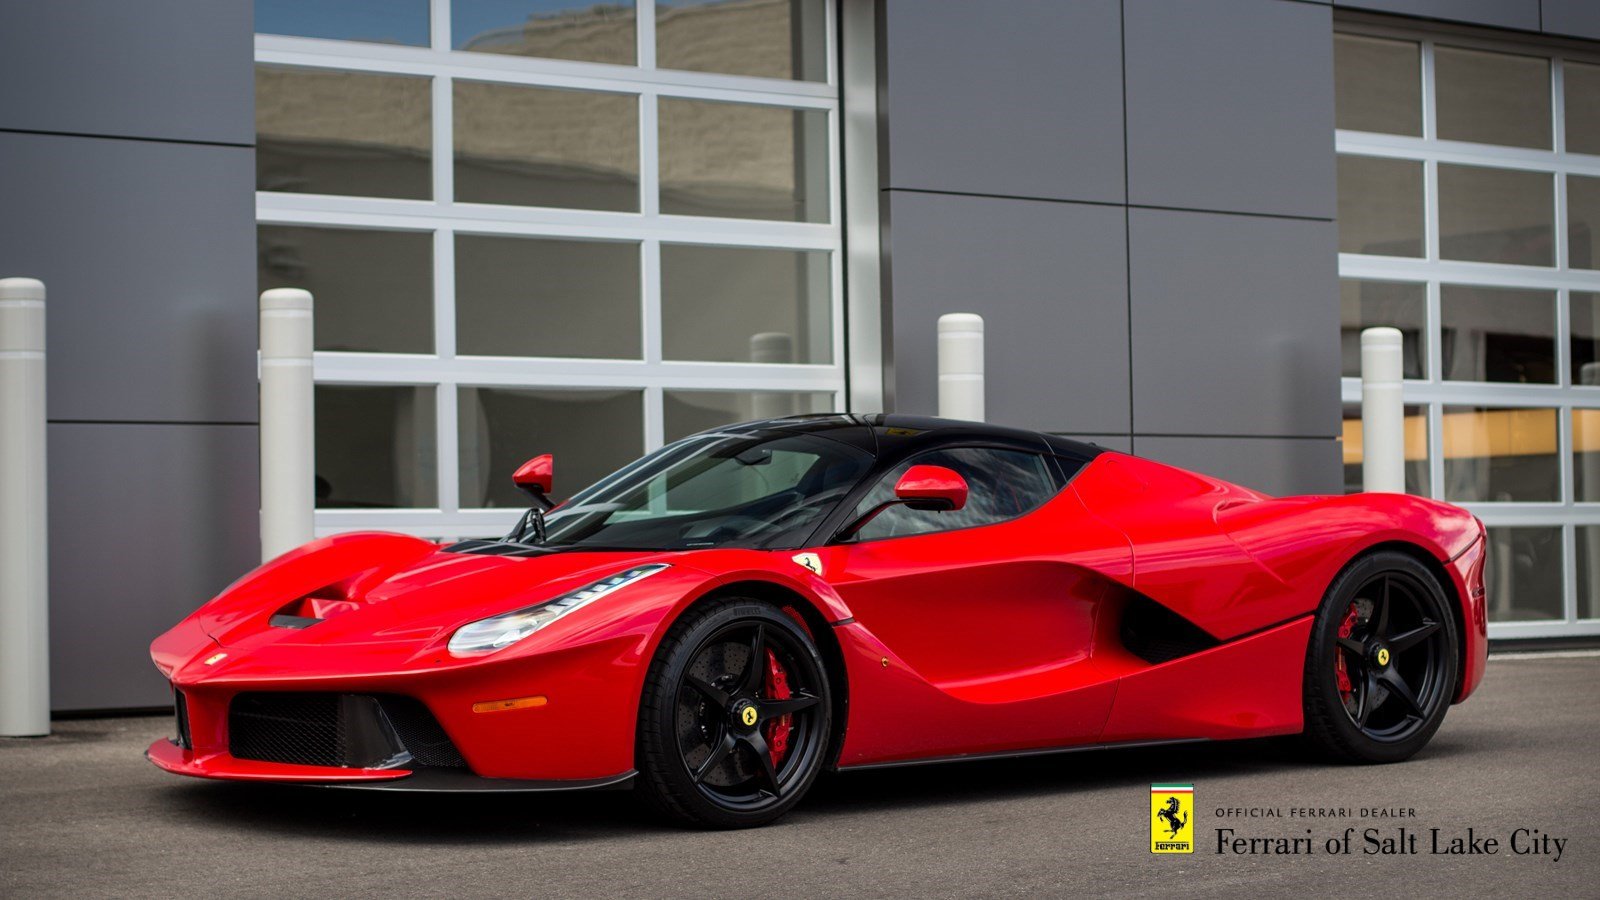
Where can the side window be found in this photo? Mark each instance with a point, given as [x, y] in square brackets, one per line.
[1001, 484]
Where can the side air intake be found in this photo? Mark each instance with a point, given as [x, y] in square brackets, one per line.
[1156, 634]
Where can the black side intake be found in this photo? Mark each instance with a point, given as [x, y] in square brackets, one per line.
[1156, 634]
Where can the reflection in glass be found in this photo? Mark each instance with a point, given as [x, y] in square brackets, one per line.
[1497, 334]
[519, 296]
[1496, 215]
[1583, 222]
[688, 412]
[591, 433]
[552, 29]
[1377, 85]
[766, 38]
[1522, 574]
[1584, 309]
[373, 289]
[1492, 98]
[1581, 89]
[745, 304]
[1418, 481]
[1380, 206]
[743, 161]
[1500, 455]
[374, 21]
[375, 447]
[1397, 304]
[533, 146]
[1586, 455]
[1588, 571]
[320, 131]
[1002, 484]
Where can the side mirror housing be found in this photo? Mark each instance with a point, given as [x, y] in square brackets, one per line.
[932, 488]
[536, 477]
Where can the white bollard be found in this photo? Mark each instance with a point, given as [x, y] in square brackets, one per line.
[288, 470]
[771, 347]
[961, 366]
[1383, 411]
[24, 594]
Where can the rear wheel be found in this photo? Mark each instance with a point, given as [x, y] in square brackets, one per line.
[1381, 666]
[735, 717]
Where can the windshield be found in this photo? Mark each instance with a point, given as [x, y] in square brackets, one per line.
[710, 490]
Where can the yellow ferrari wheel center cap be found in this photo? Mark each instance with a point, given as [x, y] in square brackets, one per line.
[748, 716]
[1383, 656]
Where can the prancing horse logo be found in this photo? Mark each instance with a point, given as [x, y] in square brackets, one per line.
[1175, 820]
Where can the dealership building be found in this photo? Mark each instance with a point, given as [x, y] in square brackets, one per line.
[590, 229]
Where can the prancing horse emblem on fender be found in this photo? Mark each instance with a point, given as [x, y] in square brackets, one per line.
[809, 561]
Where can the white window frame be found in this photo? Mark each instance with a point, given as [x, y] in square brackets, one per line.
[444, 218]
[1432, 392]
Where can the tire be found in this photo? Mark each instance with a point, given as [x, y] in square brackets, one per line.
[1381, 665]
[722, 744]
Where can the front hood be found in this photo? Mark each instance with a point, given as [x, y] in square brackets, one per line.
[373, 588]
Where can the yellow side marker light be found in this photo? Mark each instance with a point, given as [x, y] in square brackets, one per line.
[503, 705]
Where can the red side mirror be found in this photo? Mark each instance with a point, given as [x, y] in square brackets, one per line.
[932, 488]
[536, 476]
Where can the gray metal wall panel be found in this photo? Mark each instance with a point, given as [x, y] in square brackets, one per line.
[172, 69]
[1571, 18]
[1230, 106]
[148, 250]
[1235, 323]
[1016, 98]
[146, 523]
[1049, 279]
[1522, 14]
[1278, 466]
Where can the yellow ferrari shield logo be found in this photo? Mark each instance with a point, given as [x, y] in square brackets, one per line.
[1171, 818]
[809, 561]
[748, 717]
[1383, 656]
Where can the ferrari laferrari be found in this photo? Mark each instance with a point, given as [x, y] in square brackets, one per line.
[722, 620]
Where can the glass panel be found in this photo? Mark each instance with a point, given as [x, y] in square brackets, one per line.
[1492, 98]
[1496, 215]
[1583, 222]
[1002, 484]
[320, 131]
[741, 304]
[1377, 85]
[743, 161]
[532, 146]
[1497, 334]
[1580, 85]
[1500, 455]
[1586, 455]
[553, 29]
[767, 38]
[592, 433]
[373, 289]
[375, 447]
[688, 412]
[1522, 574]
[538, 297]
[1584, 309]
[1380, 206]
[1416, 427]
[376, 21]
[1588, 571]
[1398, 304]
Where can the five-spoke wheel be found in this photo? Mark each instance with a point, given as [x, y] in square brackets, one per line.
[1381, 666]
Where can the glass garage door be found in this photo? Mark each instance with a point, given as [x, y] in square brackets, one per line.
[1469, 218]
[545, 226]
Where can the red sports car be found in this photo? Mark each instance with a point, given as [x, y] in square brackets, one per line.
[721, 620]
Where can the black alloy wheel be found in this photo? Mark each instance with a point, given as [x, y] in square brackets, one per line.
[735, 717]
[1382, 662]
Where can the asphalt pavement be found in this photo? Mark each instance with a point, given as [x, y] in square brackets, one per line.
[83, 815]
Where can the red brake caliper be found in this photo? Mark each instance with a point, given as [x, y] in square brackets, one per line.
[778, 729]
[1339, 671]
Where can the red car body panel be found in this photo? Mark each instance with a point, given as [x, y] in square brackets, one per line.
[995, 639]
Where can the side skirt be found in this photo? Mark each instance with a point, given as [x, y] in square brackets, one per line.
[1017, 754]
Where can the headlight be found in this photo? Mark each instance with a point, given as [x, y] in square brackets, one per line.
[504, 630]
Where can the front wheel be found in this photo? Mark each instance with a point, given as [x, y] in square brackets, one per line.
[1381, 666]
[735, 718]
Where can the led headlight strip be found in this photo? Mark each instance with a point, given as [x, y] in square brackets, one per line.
[487, 635]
